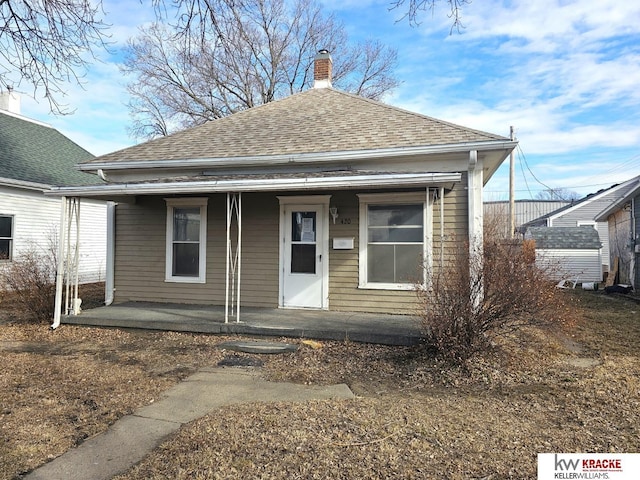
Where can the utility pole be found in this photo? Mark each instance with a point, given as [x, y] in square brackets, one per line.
[512, 189]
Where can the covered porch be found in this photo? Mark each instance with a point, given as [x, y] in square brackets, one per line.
[312, 324]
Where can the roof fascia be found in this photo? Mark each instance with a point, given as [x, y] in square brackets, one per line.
[262, 185]
[615, 206]
[11, 182]
[324, 157]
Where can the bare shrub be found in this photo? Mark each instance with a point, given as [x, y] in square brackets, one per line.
[475, 297]
[29, 281]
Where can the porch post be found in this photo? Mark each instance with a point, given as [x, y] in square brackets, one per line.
[474, 184]
[228, 266]
[427, 270]
[111, 249]
[232, 291]
[72, 305]
[75, 306]
[60, 266]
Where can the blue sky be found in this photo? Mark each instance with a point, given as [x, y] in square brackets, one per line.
[565, 74]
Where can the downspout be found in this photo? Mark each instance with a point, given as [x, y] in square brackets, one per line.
[475, 219]
[427, 269]
[441, 227]
[109, 284]
[634, 242]
[60, 267]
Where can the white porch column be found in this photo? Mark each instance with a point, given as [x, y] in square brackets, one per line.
[60, 267]
[475, 185]
[109, 284]
[234, 256]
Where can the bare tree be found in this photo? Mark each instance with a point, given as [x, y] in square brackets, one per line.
[45, 43]
[415, 7]
[558, 193]
[223, 56]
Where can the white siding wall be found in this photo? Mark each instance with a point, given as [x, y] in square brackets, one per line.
[36, 219]
[570, 264]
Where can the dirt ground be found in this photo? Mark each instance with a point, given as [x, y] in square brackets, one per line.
[538, 391]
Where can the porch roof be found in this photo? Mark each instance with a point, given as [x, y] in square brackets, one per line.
[266, 183]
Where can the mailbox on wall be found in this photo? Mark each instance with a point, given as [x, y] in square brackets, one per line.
[343, 243]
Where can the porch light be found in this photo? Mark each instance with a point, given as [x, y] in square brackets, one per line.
[334, 213]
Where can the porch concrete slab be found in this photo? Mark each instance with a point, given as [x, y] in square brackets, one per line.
[133, 437]
[314, 324]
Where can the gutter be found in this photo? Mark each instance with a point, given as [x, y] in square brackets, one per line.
[302, 158]
[261, 185]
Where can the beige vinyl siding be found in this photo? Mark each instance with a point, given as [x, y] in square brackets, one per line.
[140, 253]
[141, 249]
[344, 294]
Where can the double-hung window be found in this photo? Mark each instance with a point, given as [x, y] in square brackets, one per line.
[392, 240]
[186, 240]
[6, 237]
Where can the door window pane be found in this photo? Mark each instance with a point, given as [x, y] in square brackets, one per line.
[303, 227]
[303, 242]
[303, 258]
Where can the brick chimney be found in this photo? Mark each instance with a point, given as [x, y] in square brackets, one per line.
[10, 101]
[322, 69]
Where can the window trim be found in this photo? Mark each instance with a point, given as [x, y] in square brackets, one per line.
[191, 202]
[367, 199]
[11, 238]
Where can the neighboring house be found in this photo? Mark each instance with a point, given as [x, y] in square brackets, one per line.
[33, 158]
[497, 212]
[568, 252]
[583, 212]
[623, 219]
[321, 200]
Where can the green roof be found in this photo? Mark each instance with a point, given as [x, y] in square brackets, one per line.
[37, 153]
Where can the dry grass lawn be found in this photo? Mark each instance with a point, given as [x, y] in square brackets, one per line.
[539, 391]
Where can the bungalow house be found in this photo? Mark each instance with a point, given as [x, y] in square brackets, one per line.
[623, 220]
[585, 212]
[321, 200]
[34, 157]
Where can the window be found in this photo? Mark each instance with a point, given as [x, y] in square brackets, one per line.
[6, 237]
[186, 240]
[392, 240]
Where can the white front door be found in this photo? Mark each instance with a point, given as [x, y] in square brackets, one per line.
[304, 256]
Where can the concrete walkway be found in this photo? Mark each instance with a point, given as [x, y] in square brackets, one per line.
[132, 437]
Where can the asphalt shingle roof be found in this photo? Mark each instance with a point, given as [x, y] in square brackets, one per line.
[570, 238]
[314, 121]
[38, 153]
